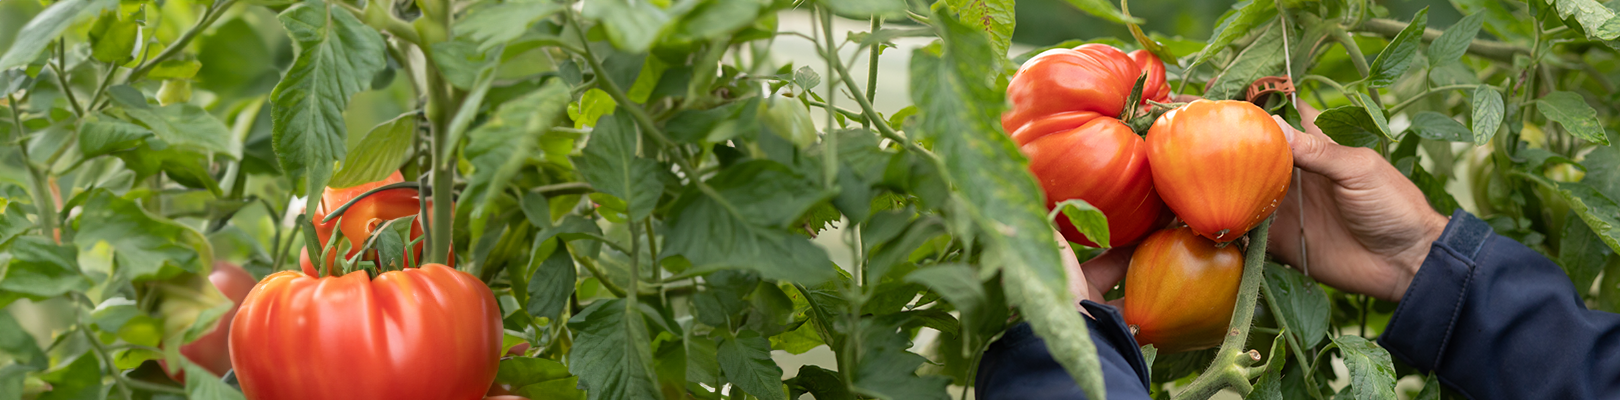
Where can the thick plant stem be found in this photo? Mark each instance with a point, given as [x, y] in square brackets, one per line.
[43, 204]
[829, 141]
[1230, 360]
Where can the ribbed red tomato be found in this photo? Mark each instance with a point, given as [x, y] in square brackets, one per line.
[420, 333]
[212, 351]
[1222, 166]
[1065, 104]
[1180, 290]
[364, 217]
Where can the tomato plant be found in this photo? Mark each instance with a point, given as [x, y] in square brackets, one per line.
[665, 198]
[1222, 166]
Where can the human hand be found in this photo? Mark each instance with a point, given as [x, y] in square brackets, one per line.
[1367, 228]
[1090, 280]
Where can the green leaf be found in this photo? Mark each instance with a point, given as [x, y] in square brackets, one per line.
[1436, 126]
[551, 282]
[175, 69]
[890, 255]
[1269, 387]
[611, 354]
[1349, 125]
[1304, 305]
[538, 378]
[100, 134]
[41, 269]
[495, 24]
[1087, 219]
[1452, 44]
[145, 247]
[886, 368]
[714, 19]
[1375, 113]
[1104, 9]
[504, 144]
[746, 362]
[462, 63]
[1571, 111]
[1238, 21]
[337, 57]
[742, 227]
[1581, 253]
[632, 25]
[1431, 389]
[203, 385]
[960, 110]
[867, 8]
[378, 154]
[190, 126]
[1372, 374]
[1600, 212]
[235, 60]
[19, 344]
[611, 165]
[821, 383]
[1392, 62]
[1264, 57]
[81, 379]
[1596, 19]
[1487, 116]
[12, 377]
[112, 39]
[993, 16]
[45, 27]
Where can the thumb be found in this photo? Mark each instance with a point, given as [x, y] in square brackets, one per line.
[1319, 154]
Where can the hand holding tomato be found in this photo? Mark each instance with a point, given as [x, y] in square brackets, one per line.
[1222, 166]
[1367, 227]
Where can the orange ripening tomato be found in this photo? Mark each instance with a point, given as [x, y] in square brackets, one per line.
[1180, 290]
[364, 217]
[1222, 166]
[420, 333]
[212, 351]
[1065, 104]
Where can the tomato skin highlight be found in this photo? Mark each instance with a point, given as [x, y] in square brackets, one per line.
[1222, 166]
[420, 333]
[1180, 290]
[1065, 104]
[212, 351]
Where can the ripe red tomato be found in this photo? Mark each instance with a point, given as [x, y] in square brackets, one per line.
[1063, 117]
[1180, 290]
[1222, 166]
[363, 218]
[420, 333]
[212, 351]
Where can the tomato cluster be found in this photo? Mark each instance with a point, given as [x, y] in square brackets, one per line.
[1221, 167]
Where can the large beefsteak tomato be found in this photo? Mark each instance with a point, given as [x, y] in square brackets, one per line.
[1222, 166]
[419, 333]
[1064, 117]
[1180, 290]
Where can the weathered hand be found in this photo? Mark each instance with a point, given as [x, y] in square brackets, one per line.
[1367, 228]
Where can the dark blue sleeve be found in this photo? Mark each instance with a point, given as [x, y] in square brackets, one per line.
[1018, 366]
[1496, 320]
